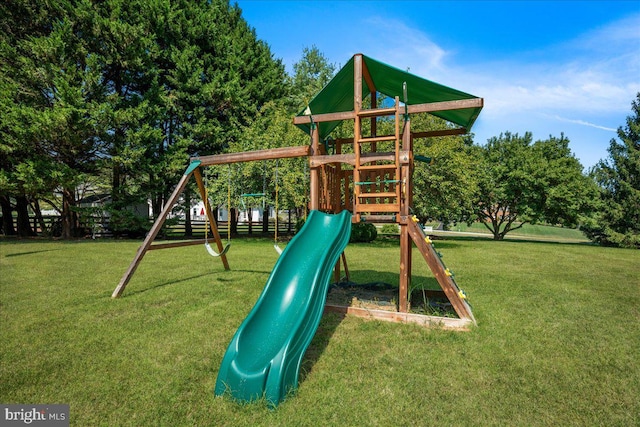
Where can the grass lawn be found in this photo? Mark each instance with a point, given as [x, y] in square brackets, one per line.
[557, 341]
[530, 231]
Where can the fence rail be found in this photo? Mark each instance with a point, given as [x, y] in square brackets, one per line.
[52, 226]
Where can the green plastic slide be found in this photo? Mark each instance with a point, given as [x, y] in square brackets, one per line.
[264, 356]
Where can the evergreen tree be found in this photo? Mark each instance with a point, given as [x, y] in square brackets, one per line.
[129, 87]
[51, 109]
[618, 221]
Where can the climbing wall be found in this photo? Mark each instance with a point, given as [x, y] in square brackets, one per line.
[443, 275]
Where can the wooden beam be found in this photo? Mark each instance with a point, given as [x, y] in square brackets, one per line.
[443, 132]
[431, 107]
[325, 117]
[168, 245]
[350, 158]
[449, 323]
[142, 250]
[434, 107]
[368, 80]
[250, 156]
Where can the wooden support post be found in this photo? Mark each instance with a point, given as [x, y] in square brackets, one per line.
[346, 267]
[405, 269]
[142, 250]
[336, 271]
[357, 106]
[212, 221]
[314, 171]
[405, 239]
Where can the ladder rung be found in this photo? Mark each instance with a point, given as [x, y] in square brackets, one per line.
[378, 207]
[378, 218]
[377, 195]
[370, 139]
[377, 167]
[377, 112]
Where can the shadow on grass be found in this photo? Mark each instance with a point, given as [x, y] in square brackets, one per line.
[369, 280]
[31, 252]
[327, 327]
[197, 276]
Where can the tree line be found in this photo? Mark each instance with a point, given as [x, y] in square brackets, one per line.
[113, 97]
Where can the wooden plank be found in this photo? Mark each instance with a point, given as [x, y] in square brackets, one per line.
[443, 132]
[350, 158]
[142, 250]
[431, 107]
[378, 167]
[168, 245]
[377, 112]
[447, 323]
[377, 207]
[380, 195]
[379, 218]
[372, 139]
[434, 107]
[250, 156]
[325, 117]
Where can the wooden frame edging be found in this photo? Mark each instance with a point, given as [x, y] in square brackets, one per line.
[447, 323]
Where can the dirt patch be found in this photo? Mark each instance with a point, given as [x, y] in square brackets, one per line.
[372, 296]
[383, 296]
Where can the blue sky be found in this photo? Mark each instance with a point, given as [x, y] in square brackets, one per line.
[541, 66]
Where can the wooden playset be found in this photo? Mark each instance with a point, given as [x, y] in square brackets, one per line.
[369, 175]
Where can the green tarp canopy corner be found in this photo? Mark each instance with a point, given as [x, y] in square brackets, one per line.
[337, 95]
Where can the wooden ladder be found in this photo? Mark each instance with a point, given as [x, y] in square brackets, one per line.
[377, 184]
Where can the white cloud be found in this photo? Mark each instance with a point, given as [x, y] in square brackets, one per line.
[583, 123]
[595, 73]
[583, 87]
[406, 48]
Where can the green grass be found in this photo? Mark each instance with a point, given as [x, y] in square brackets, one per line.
[556, 344]
[538, 231]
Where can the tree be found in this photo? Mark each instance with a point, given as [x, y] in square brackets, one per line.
[129, 87]
[310, 75]
[51, 106]
[618, 177]
[273, 127]
[523, 182]
[446, 188]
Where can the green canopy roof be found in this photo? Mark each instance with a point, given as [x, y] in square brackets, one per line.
[337, 95]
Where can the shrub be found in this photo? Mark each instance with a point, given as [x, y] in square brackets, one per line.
[389, 229]
[363, 232]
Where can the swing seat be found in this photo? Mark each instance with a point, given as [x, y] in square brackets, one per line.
[277, 248]
[214, 253]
